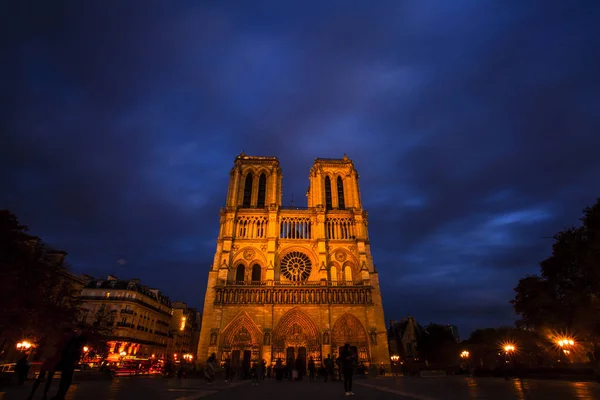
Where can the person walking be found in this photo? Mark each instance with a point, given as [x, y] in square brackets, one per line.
[278, 370]
[22, 369]
[311, 369]
[70, 355]
[347, 360]
[329, 365]
[210, 368]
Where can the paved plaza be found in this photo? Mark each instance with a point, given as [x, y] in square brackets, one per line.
[448, 388]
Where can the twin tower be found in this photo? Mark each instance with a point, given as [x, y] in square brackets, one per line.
[292, 282]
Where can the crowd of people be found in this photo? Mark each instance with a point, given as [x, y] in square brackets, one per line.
[340, 369]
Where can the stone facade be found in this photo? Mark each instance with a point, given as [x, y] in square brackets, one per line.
[289, 282]
[137, 317]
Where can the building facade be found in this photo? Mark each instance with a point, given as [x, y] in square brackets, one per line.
[404, 336]
[290, 282]
[182, 329]
[137, 317]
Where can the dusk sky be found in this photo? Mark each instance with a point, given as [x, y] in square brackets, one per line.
[474, 125]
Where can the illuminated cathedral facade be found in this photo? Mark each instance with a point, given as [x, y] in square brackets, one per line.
[292, 282]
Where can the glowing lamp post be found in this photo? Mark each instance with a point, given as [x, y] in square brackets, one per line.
[24, 345]
[566, 345]
[395, 359]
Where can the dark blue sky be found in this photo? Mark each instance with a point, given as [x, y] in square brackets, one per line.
[474, 126]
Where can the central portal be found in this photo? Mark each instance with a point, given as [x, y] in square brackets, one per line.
[296, 338]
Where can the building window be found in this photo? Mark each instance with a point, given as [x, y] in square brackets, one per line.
[340, 190]
[262, 191]
[333, 274]
[239, 273]
[247, 191]
[348, 274]
[328, 205]
[256, 273]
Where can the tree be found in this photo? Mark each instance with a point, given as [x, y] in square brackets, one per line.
[37, 299]
[565, 297]
[438, 345]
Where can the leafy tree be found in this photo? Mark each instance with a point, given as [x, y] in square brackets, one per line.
[37, 299]
[565, 296]
[438, 345]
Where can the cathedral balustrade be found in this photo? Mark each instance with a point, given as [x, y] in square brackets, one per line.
[276, 294]
[340, 228]
[251, 227]
[295, 228]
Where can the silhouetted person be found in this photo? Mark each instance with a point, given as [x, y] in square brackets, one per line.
[311, 369]
[329, 366]
[70, 355]
[210, 368]
[48, 367]
[262, 367]
[347, 359]
[278, 370]
[227, 369]
[22, 369]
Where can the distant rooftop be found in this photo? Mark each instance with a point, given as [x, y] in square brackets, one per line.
[244, 156]
[342, 160]
[133, 284]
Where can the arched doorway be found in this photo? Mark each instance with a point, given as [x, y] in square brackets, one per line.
[241, 341]
[348, 329]
[296, 337]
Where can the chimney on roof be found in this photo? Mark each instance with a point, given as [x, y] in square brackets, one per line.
[111, 278]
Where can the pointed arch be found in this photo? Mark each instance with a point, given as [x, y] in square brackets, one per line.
[256, 273]
[340, 193]
[348, 274]
[328, 203]
[247, 190]
[295, 322]
[348, 329]
[241, 331]
[240, 273]
[333, 273]
[262, 190]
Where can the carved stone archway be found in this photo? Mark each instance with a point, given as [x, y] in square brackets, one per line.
[239, 336]
[348, 329]
[297, 331]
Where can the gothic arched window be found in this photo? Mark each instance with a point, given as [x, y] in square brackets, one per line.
[348, 274]
[239, 273]
[256, 273]
[262, 190]
[333, 274]
[340, 190]
[328, 205]
[247, 191]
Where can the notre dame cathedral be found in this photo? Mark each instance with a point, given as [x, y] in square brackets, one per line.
[292, 282]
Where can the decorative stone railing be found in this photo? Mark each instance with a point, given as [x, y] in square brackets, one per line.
[293, 295]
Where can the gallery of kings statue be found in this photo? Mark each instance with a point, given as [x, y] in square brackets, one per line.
[292, 282]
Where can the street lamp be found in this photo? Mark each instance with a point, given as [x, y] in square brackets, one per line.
[24, 345]
[464, 354]
[566, 345]
[395, 359]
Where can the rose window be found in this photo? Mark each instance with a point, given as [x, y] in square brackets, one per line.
[296, 266]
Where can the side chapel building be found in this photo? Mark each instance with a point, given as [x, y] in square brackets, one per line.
[289, 282]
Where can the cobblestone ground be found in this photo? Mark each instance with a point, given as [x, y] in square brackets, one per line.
[448, 388]
[459, 388]
[133, 388]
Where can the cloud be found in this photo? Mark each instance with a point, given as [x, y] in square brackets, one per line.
[473, 126]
